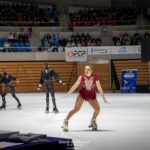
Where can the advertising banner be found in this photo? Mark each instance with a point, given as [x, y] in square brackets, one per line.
[122, 49]
[99, 50]
[76, 53]
[129, 78]
[137, 49]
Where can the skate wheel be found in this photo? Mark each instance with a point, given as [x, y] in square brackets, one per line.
[94, 129]
[2, 109]
[65, 130]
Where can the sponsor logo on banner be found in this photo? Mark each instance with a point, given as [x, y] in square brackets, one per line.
[137, 49]
[122, 49]
[128, 75]
[129, 78]
[76, 53]
[98, 50]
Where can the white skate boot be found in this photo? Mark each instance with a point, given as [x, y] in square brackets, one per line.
[65, 125]
[93, 125]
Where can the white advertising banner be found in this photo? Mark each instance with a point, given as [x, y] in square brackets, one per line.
[137, 49]
[99, 50]
[76, 53]
[122, 49]
[81, 53]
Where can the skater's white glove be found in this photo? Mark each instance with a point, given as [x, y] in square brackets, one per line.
[60, 81]
[17, 81]
[39, 87]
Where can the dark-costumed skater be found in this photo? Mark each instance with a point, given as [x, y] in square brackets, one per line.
[46, 83]
[88, 83]
[1, 89]
[7, 79]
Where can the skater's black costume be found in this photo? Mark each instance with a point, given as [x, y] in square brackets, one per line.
[7, 79]
[1, 89]
[46, 82]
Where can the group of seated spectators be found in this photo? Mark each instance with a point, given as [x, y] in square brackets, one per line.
[53, 41]
[18, 37]
[103, 16]
[29, 15]
[126, 39]
[16, 42]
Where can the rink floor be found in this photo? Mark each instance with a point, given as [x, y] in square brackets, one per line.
[124, 124]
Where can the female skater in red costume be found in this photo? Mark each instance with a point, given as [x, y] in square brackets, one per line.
[87, 81]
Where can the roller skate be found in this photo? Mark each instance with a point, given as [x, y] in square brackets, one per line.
[47, 110]
[93, 125]
[65, 125]
[3, 107]
[19, 106]
[55, 110]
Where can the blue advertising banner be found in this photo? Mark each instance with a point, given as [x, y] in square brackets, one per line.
[129, 78]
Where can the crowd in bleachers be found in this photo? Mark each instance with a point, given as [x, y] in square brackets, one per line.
[52, 41]
[103, 16]
[126, 39]
[16, 42]
[26, 14]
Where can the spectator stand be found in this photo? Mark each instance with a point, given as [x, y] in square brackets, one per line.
[80, 16]
[130, 37]
[18, 14]
[54, 42]
[14, 42]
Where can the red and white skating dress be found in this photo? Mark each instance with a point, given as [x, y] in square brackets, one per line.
[88, 87]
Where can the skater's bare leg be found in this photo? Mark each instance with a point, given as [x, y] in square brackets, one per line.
[95, 105]
[78, 104]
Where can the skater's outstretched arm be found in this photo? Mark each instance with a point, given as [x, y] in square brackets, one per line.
[57, 77]
[74, 87]
[0, 84]
[41, 81]
[14, 78]
[99, 87]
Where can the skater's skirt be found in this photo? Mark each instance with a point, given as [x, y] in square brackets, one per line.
[88, 95]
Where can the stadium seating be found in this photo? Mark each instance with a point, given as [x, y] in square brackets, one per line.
[74, 39]
[130, 39]
[28, 14]
[102, 16]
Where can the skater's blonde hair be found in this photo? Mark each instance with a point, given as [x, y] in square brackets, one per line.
[91, 67]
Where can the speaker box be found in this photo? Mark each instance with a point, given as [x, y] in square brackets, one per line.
[145, 50]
